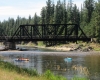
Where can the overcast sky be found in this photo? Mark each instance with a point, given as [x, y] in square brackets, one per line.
[24, 8]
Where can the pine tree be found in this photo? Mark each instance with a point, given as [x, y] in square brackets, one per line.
[48, 11]
[64, 12]
[43, 15]
[96, 21]
[29, 20]
[89, 5]
[75, 15]
[35, 19]
[59, 13]
[69, 11]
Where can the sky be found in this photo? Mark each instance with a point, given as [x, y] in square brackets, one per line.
[24, 8]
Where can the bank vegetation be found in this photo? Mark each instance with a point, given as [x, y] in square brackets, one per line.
[69, 46]
[9, 71]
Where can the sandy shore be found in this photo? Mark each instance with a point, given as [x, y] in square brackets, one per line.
[58, 48]
[61, 50]
[50, 48]
[73, 47]
[65, 48]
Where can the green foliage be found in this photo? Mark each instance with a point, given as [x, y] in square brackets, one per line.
[49, 75]
[31, 44]
[22, 43]
[96, 22]
[79, 78]
[40, 43]
[89, 5]
[11, 67]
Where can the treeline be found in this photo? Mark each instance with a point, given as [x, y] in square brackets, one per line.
[63, 12]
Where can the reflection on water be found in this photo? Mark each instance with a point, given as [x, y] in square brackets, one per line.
[80, 70]
[93, 61]
[87, 65]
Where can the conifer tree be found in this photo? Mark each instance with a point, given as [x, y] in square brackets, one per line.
[43, 15]
[89, 5]
[96, 21]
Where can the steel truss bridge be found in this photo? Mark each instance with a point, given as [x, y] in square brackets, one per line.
[47, 32]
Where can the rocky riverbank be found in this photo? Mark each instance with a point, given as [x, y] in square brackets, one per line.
[71, 47]
[84, 47]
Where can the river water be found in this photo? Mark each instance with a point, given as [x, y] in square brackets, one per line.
[83, 64]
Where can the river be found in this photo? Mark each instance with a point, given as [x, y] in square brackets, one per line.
[83, 64]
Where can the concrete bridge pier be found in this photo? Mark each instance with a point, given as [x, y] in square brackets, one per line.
[10, 45]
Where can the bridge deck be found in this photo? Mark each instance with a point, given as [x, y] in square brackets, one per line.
[58, 38]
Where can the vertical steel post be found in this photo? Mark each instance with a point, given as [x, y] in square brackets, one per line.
[65, 30]
[76, 32]
[20, 31]
[42, 30]
[31, 31]
[23, 31]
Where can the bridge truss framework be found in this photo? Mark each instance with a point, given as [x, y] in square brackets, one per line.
[49, 32]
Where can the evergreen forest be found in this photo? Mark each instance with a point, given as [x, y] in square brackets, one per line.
[63, 12]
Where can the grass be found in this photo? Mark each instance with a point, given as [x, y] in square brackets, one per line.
[50, 76]
[96, 46]
[78, 78]
[12, 75]
[24, 71]
[12, 72]
[9, 71]
[40, 43]
[32, 44]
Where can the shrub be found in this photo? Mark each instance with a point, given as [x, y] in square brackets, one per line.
[49, 75]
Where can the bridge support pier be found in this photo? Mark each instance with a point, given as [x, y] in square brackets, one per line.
[10, 45]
